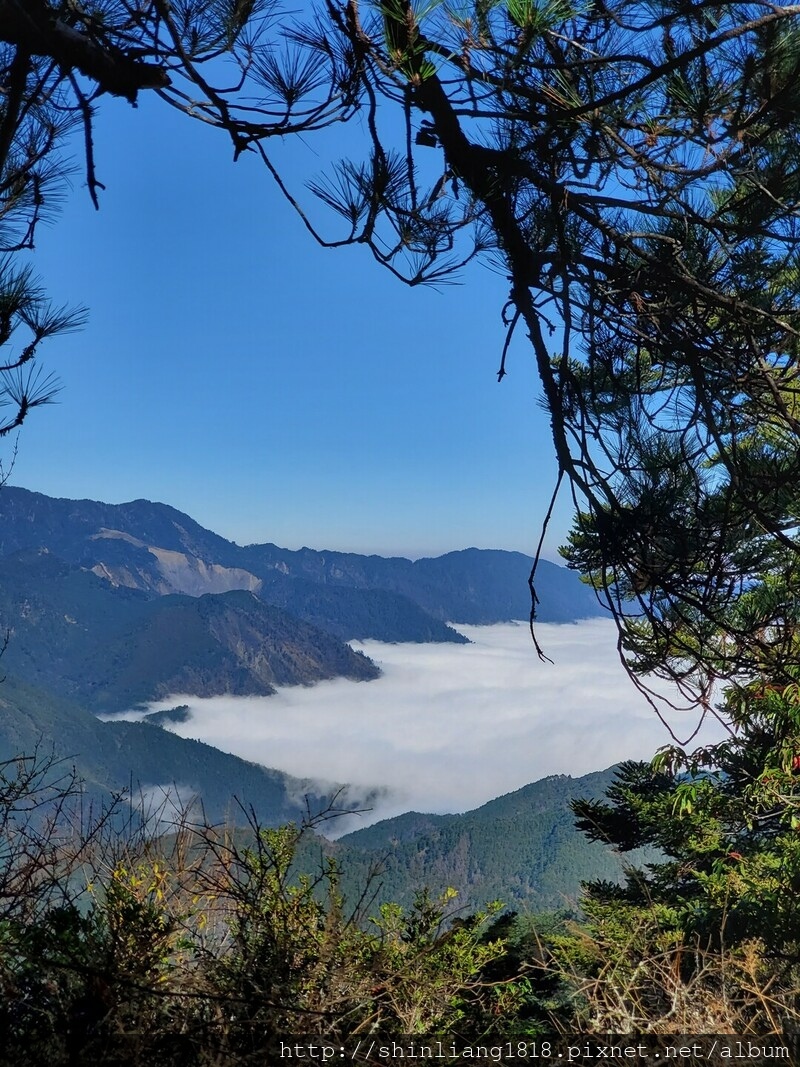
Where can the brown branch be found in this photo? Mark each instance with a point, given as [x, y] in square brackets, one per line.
[35, 27]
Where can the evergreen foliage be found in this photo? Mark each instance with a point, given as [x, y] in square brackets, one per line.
[726, 820]
[126, 944]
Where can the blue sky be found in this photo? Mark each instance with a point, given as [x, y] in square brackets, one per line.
[274, 390]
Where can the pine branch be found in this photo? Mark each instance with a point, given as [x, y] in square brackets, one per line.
[35, 27]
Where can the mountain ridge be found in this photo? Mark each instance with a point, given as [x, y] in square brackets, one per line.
[521, 847]
[111, 606]
[135, 758]
[110, 648]
[157, 549]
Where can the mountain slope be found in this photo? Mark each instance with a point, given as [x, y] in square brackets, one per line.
[109, 648]
[521, 848]
[68, 527]
[114, 756]
[358, 614]
[479, 586]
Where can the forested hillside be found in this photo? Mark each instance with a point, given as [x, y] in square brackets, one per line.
[521, 848]
[112, 647]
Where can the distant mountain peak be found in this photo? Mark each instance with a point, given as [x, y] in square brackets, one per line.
[154, 547]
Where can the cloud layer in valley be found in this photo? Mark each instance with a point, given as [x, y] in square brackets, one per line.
[448, 727]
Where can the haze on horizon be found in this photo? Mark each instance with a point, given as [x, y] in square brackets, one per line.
[349, 541]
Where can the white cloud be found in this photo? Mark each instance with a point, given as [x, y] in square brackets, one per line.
[448, 727]
[165, 807]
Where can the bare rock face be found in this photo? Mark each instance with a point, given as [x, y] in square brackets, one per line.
[153, 547]
[109, 647]
[175, 572]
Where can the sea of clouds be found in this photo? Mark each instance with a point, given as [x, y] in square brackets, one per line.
[448, 727]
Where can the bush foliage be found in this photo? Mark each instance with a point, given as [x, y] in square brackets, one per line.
[126, 941]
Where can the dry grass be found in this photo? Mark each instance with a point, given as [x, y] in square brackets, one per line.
[678, 987]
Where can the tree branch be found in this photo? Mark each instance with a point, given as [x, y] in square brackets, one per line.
[35, 27]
